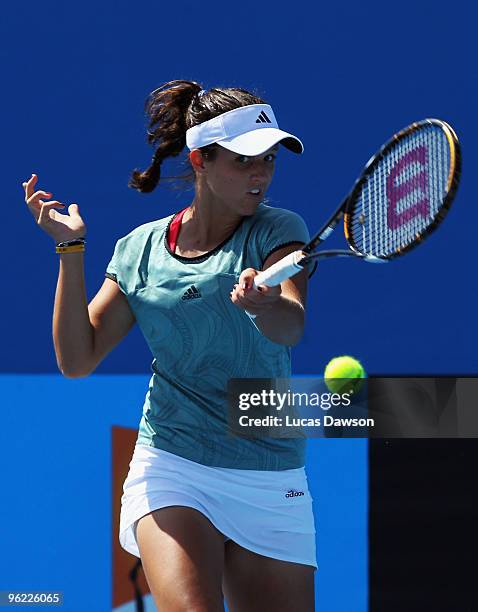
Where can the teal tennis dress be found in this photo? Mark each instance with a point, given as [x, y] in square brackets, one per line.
[254, 491]
[200, 340]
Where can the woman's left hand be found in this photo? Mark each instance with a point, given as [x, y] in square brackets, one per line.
[255, 300]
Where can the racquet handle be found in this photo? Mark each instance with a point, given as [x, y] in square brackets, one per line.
[278, 272]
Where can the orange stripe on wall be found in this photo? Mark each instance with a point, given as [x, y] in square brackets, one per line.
[123, 442]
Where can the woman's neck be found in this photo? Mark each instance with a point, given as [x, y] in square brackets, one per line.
[204, 226]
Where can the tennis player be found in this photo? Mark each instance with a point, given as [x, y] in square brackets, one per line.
[210, 514]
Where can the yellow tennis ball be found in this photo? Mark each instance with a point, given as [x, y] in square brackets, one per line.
[344, 374]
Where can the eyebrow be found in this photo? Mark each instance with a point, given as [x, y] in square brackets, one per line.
[272, 150]
[268, 152]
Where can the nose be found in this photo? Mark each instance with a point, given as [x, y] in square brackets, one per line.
[260, 170]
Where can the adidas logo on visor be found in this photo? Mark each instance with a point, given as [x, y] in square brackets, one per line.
[191, 294]
[240, 131]
[263, 118]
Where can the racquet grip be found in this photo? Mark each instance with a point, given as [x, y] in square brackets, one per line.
[278, 272]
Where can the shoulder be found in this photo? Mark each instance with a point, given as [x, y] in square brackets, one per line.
[130, 248]
[141, 238]
[266, 215]
[129, 264]
[270, 223]
[270, 229]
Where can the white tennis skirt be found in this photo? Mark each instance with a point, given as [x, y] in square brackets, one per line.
[267, 512]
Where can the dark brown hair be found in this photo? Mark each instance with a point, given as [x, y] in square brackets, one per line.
[175, 107]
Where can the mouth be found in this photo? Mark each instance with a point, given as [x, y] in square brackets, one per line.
[256, 192]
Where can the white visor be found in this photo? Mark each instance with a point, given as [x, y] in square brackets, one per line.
[247, 130]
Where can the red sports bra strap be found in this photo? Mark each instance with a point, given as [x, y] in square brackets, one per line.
[174, 228]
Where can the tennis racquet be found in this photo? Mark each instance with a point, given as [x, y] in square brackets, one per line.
[401, 197]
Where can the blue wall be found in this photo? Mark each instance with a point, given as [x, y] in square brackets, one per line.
[342, 76]
[55, 528]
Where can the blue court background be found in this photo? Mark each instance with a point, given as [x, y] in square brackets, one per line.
[343, 77]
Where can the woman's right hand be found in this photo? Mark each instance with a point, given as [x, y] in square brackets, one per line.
[59, 227]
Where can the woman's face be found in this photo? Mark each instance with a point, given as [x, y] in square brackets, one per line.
[230, 178]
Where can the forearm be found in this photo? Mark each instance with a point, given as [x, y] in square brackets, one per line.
[283, 322]
[73, 334]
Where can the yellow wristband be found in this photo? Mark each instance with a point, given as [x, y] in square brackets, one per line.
[77, 248]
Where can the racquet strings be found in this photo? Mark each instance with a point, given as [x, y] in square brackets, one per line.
[403, 194]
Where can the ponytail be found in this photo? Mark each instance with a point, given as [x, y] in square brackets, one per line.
[172, 109]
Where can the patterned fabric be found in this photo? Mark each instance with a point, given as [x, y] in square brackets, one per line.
[199, 339]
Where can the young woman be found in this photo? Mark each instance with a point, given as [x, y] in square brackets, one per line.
[209, 513]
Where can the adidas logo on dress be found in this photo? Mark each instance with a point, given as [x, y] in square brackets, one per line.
[263, 118]
[191, 294]
[293, 493]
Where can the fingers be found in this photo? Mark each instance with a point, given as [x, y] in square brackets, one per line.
[73, 210]
[76, 220]
[44, 216]
[267, 291]
[252, 299]
[36, 197]
[33, 197]
[42, 212]
[246, 279]
[248, 302]
[60, 227]
[258, 297]
[29, 186]
[48, 213]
